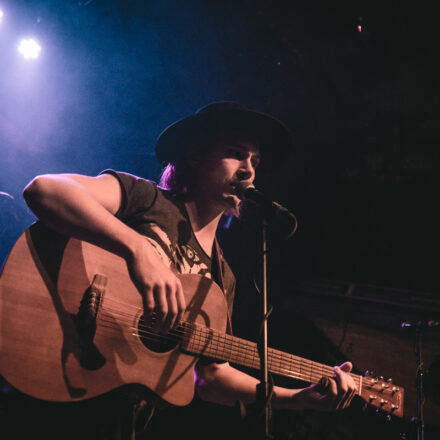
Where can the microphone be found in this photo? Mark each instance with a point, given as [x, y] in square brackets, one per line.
[273, 211]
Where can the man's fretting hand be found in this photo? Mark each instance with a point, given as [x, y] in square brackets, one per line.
[332, 393]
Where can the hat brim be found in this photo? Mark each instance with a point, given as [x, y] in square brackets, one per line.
[275, 140]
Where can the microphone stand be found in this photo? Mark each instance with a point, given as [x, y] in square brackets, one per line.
[286, 220]
[418, 422]
[264, 388]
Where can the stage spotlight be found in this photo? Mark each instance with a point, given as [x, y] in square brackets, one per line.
[1, 16]
[29, 48]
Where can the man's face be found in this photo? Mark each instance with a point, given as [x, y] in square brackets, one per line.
[231, 160]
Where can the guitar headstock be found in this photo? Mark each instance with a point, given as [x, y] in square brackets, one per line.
[383, 394]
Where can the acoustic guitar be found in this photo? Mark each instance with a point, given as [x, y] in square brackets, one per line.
[72, 328]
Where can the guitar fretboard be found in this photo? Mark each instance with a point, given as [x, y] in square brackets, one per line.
[206, 342]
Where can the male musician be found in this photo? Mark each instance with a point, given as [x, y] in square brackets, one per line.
[169, 229]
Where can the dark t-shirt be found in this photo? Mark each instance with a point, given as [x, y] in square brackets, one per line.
[162, 217]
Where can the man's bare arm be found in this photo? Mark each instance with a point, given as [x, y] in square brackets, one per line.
[83, 207]
[223, 384]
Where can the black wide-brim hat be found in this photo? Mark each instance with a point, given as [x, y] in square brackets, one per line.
[274, 139]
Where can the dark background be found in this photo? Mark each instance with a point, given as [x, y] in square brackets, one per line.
[363, 107]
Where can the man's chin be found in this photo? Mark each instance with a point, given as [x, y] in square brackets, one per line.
[232, 205]
[232, 201]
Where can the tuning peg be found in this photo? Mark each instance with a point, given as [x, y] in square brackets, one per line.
[390, 380]
[388, 418]
[380, 378]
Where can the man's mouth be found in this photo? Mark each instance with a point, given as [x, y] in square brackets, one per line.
[234, 186]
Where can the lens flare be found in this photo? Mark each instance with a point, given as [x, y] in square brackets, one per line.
[29, 48]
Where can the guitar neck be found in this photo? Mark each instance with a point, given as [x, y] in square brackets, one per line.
[206, 342]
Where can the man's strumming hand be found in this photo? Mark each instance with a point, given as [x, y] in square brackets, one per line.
[161, 291]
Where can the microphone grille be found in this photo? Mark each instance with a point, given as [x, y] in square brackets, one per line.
[241, 188]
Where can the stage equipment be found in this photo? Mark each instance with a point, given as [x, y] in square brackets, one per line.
[432, 381]
[419, 327]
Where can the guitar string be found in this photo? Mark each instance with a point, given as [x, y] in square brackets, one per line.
[248, 361]
[315, 377]
[217, 340]
[285, 365]
[281, 356]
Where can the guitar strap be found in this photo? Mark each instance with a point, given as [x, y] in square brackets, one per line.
[217, 271]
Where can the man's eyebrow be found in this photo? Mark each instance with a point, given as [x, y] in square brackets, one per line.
[245, 147]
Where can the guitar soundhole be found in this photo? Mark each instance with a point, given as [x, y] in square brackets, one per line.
[156, 342]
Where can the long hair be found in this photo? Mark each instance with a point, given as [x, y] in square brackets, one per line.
[178, 176]
[169, 179]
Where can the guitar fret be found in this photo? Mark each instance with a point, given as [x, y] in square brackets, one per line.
[299, 374]
[223, 343]
[213, 348]
[280, 366]
[291, 368]
[253, 359]
[230, 346]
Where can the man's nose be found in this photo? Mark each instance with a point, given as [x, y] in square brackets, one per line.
[246, 170]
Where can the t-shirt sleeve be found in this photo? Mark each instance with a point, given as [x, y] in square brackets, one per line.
[137, 193]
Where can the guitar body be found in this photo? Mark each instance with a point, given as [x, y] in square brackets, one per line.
[49, 351]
